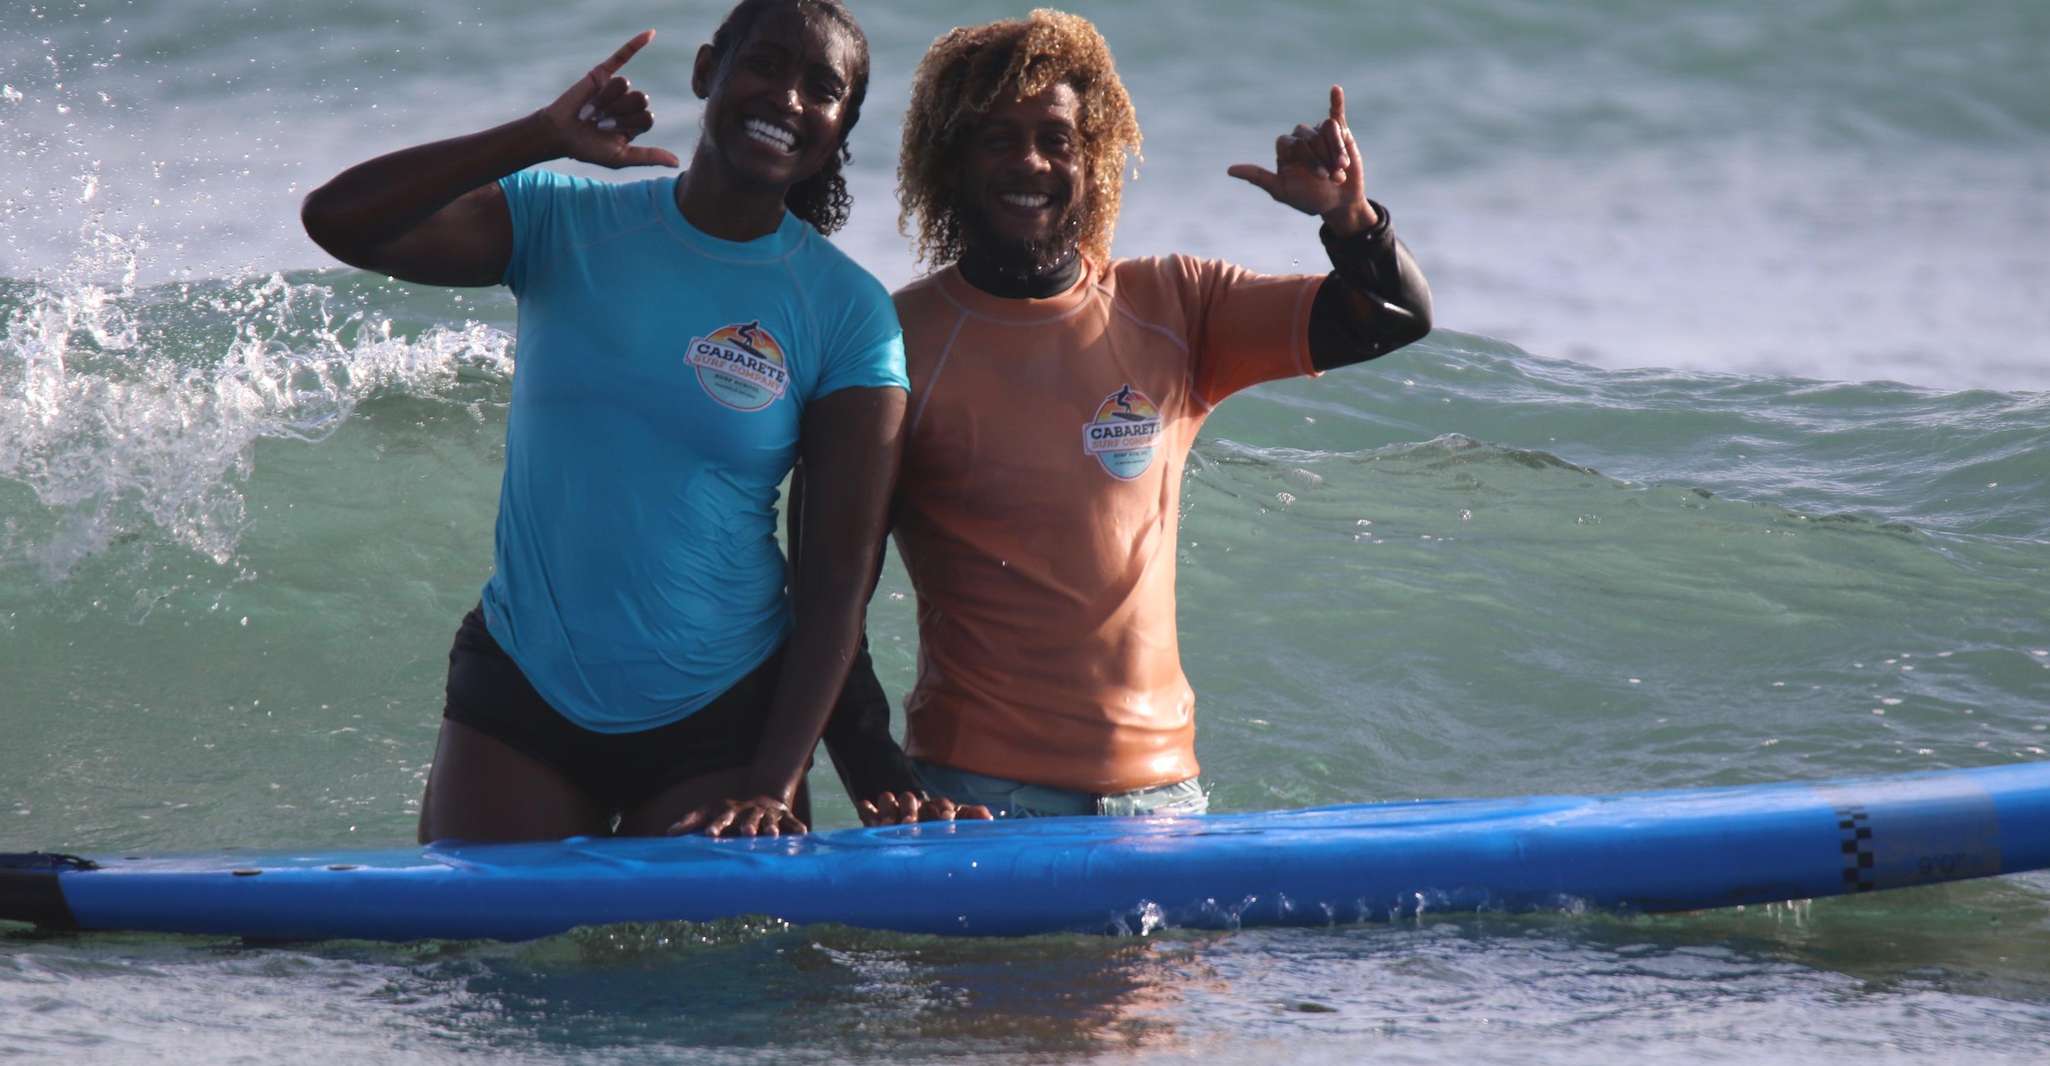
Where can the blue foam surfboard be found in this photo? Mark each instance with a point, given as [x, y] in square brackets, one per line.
[1649, 851]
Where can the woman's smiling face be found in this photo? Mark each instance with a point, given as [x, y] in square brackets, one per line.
[776, 108]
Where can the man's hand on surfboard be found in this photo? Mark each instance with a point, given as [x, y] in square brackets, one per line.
[1318, 171]
[903, 808]
[597, 119]
[762, 816]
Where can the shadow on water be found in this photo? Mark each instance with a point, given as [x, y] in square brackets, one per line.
[1885, 971]
[776, 989]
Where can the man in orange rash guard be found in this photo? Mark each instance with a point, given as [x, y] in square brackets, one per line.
[1055, 394]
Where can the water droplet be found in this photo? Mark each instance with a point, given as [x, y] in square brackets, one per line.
[1637, 681]
[245, 619]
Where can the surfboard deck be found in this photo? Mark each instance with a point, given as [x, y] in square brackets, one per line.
[1639, 852]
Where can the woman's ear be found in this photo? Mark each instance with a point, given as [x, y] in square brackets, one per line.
[704, 71]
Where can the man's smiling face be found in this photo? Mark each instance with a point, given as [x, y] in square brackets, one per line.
[1021, 196]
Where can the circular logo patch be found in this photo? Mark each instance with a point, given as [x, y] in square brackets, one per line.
[1124, 434]
[742, 367]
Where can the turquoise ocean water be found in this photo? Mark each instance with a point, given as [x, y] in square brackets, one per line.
[1730, 463]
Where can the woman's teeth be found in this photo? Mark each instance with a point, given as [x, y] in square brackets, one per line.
[774, 136]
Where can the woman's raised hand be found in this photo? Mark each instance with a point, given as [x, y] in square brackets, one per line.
[598, 118]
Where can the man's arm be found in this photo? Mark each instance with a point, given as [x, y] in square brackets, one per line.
[434, 214]
[1375, 300]
[873, 769]
[866, 757]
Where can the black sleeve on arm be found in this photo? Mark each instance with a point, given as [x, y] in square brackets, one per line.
[857, 735]
[1374, 301]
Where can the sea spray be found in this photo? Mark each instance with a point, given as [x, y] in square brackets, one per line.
[124, 409]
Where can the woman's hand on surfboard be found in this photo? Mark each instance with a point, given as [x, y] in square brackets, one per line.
[762, 816]
[596, 119]
[1318, 171]
[903, 808]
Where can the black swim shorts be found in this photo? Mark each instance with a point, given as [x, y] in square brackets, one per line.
[488, 693]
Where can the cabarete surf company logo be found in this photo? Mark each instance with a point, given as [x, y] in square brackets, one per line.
[740, 366]
[1124, 434]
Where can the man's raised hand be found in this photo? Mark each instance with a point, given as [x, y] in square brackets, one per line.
[597, 118]
[1318, 172]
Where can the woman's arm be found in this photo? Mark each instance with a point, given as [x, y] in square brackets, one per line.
[878, 776]
[857, 734]
[850, 442]
[434, 214]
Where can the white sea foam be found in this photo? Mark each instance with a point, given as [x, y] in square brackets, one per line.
[115, 424]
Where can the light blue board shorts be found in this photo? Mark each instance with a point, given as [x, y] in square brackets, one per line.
[1006, 798]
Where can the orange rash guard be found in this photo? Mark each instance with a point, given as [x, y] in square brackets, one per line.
[1039, 503]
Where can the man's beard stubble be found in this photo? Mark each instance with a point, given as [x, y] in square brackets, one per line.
[1022, 259]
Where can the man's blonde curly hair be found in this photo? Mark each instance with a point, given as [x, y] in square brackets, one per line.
[972, 69]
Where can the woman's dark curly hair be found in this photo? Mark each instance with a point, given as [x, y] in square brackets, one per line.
[821, 199]
[972, 69]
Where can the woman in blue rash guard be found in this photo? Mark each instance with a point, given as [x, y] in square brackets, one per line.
[635, 665]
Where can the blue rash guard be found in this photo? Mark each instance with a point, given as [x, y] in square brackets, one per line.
[661, 378]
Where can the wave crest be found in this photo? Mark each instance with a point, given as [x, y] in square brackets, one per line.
[126, 409]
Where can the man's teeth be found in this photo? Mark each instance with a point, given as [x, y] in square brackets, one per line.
[774, 136]
[1033, 200]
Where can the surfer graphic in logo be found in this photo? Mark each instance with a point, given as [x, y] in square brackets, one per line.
[740, 366]
[1124, 434]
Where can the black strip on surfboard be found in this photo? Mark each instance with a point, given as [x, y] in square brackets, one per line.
[29, 891]
[1855, 826]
